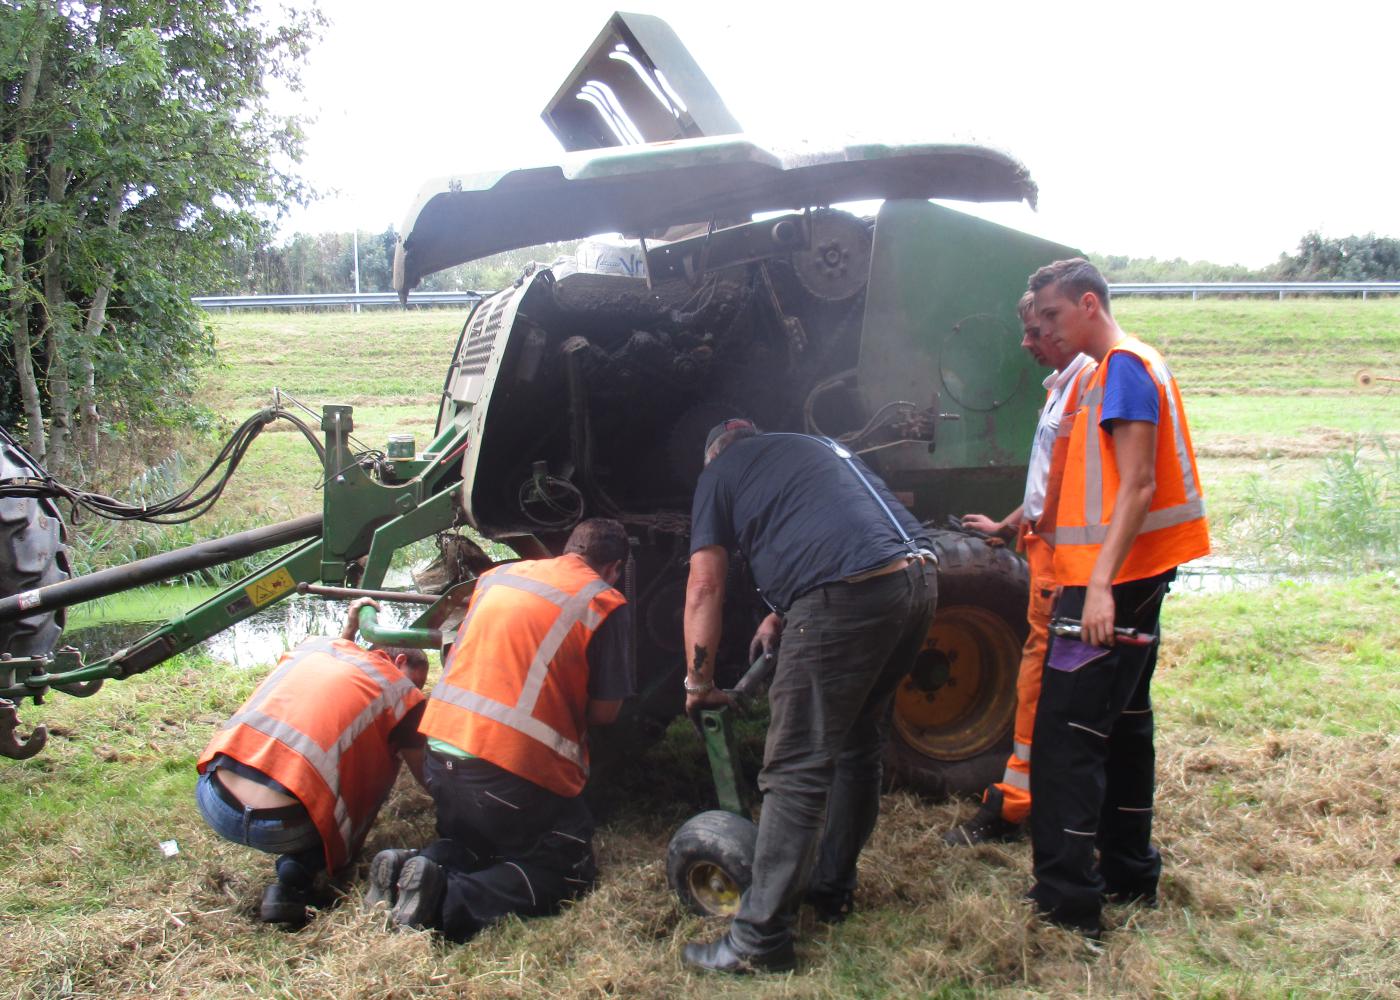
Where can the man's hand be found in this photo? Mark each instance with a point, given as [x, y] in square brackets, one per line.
[352, 617]
[766, 638]
[1097, 617]
[996, 532]
[714, 698]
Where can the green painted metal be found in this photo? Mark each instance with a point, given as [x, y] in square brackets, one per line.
[388, 635]
[941, 328]
[731, 791]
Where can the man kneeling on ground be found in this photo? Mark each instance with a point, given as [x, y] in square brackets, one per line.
[542, 653]
[303, 767]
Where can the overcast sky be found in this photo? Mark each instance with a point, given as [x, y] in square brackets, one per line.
[1219, 131]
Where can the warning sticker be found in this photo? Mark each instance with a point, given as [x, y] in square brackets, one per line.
[269, 588]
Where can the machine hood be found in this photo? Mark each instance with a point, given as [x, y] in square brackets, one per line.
[648, 188]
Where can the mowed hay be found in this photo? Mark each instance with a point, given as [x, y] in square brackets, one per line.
[1281, 857]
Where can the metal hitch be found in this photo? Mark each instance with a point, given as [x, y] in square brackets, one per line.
[10, 744]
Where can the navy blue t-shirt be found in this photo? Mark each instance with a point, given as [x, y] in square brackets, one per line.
[1129, 393]
[798, 513]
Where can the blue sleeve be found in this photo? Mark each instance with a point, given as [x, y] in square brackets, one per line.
[612, 675]
[710, 520]
[1129, 393]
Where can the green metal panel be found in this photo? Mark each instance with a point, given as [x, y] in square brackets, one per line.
[941, 329]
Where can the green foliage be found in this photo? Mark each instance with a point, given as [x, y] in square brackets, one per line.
[137, 141]
[1122, 268]
[1346, 520]
[1349, 258]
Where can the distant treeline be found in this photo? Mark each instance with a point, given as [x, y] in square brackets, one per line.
[310, 264]
[1349, 258]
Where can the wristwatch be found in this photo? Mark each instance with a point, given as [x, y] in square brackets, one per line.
[703, 687]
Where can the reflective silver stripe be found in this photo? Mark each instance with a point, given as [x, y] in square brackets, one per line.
[1016, 780]
[1075, 725]
[1081, 833]
[323, 762]
[1164, 517]
[527, 881]
[1022, 751]
[1137, 711]
[521, 722]
[1129, 809]
[571, 613]
[1093, 459]
[1183, 457]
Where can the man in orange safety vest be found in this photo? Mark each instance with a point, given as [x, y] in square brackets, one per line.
[302, 768]
[1130, 511]
[1007, 803]
[543, 653]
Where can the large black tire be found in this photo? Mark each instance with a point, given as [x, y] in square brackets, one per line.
[32, 554]
[710, 862]
[954, 714]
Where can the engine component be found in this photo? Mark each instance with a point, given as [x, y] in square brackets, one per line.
[836, 264]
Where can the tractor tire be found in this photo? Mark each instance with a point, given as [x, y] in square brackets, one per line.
[953, 715]
[32, 554]
[710, 862]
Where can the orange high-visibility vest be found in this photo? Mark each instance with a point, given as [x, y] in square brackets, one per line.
[319, 725]
[515, 691]
[1045, 524]
[1174, 530]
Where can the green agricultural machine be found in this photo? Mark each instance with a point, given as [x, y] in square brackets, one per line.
[586, 389]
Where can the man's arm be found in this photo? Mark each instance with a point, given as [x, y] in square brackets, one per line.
[1135, 451]
[352, 617]
[1003, 530]
[413, 757]
[704, 612]
[603, 713]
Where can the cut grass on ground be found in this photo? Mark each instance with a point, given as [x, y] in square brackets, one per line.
[1277, 753]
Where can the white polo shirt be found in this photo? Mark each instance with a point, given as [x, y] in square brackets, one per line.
[1038, 473]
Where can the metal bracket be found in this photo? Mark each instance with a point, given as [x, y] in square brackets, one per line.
[10, 744]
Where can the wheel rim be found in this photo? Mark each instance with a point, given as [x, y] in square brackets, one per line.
[712, 888]
[961, 695]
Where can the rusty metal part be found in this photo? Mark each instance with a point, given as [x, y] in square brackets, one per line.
[10, 744]
[837, 263]
[351, 593]
[1366, 379]
[792, 326]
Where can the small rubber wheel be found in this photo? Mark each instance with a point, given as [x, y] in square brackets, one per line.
[710, 862]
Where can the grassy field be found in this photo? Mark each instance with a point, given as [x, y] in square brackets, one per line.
[1278, 750]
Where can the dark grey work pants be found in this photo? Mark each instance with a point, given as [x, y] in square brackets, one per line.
[845, 648]
[1093, 777]
[508, 845]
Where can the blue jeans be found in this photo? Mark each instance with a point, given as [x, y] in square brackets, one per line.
[287, 831]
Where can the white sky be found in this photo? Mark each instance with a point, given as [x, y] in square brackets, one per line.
[1219, 131]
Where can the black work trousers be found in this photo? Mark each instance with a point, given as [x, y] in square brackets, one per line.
[508, 845]
[1093, 776]
[845, 648]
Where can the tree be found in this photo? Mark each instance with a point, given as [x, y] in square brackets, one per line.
[137, 141]
[1350, 258]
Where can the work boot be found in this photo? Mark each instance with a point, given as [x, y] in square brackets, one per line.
[720, 955]
[985, 826]
[422, 884]
[832, 907]
[282, 904]
[384, 873]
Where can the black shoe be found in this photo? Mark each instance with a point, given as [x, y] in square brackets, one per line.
[985, 826]
[384, 873]
[422, 884]
[282, 904]
[720, 955]
[832, 907]
[1086, 925]
[1131, 897]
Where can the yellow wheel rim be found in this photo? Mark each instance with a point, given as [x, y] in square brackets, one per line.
[961, 695]
[713, 889]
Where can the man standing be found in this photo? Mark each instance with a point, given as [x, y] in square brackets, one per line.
[1006, 804]
[843, 567]
[543, 652]
[303, 767]
[1130, 512]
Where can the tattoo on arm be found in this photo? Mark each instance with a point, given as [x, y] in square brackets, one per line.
[701, 654]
